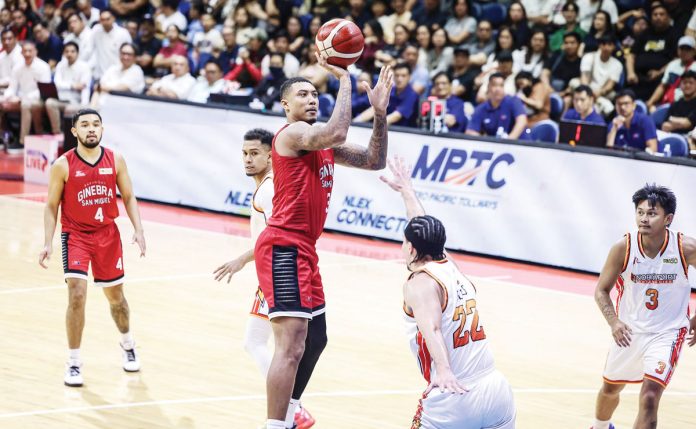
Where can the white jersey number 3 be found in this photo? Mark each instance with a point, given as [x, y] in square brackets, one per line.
[100, 215]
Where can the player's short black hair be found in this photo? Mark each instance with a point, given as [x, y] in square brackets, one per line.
[427, 235]
[285, 87]
[584, 88]
[264, 136]
[655, 194]
[84, 112]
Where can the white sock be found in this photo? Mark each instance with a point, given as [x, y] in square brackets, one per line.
[275, 424]
[290, 415]
[599, 424]
[258, 331]
[127, 341]
[74, 355]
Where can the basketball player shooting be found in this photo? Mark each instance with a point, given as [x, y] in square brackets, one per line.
[303, 156]
[83, 183]
[650, 321]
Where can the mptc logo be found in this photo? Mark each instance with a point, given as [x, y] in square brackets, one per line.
[449, 160]
[36, 160]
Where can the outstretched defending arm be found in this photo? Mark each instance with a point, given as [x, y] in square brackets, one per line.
[401, 182]
[374, 156]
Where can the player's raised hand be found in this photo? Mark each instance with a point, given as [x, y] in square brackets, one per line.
[228, 269]
[139, 238]
[338, 72]
[692, 332]
[621, 333]
[379, 95]
[401, 172]
[446, 382]
[45, 255]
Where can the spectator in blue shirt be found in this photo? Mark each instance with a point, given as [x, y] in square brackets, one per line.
[500, 115]
[583, 107]
[454, 115]
[631, 129]
[49, 47]
[403, 103]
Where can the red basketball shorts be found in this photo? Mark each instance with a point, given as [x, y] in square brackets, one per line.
[288, 272]
[102, 248]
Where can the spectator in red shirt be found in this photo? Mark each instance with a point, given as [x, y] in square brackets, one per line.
[244, 72]
[21, 26]
[171, 45]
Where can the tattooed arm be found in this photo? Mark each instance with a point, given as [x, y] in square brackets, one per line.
[610, 273]
[374, 157]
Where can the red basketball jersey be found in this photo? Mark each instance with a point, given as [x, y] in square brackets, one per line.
[302, 190]
[89, 196]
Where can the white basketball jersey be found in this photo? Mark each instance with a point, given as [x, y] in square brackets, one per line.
[462, 329]
[654, 292]
[261, 206]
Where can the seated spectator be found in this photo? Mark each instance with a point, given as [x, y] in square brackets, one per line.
[601, 27]
[504, 42]
[481, 45]
[228, 56]
[517, 22]
[73, 80]
[22, 94]
[539, 12]
[170, 15]
[21, 26]
[420, 78]
[211, 82]
[374, 42]
[107, 37]
[401, 16]
[583, 107]
[460, 26]
[131, 27]
[681, 116]
[5, 18]
[360, 101]
[631, 129]
[564, 66]
[49, 46]
[194, 26]
[651, 53]
[390, 53]
[454, 117]
[630, 34]
[51, 15]
[244, 74]
[257, 50]
[500, 115]
[531, 58]
[10, 56]
[570, 13]
[291, 64]
[125, 76]
[82, 35]
[358, 12]
[312, 71]
[148, 45]
[462, 75]
[210, 38]
[423, 42]
[298, 43]
[536, 96]
[668, 91]
[88, 13]
[126, 9]
[440, 55]
[601, 72]
[244, 25]
[588, 10]
[268, 91]
[504, 69]
[171, 46]
[403, 103]
[431, 15]
[176, 85]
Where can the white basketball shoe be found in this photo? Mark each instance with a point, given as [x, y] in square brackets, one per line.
[73, 374]
[131, 363]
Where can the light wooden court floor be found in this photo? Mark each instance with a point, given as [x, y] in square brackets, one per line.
[551, 345]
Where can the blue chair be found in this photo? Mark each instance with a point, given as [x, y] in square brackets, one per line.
[476, 11]
[556, 106]
[545, 131]
[305, 20]
[326, 105]
[677, 144]
[660, 115]
[641, 107]
[494, 12]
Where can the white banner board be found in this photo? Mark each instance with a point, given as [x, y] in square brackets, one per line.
[529, 203]
[39, 153]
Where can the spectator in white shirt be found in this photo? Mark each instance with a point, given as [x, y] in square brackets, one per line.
[82, 35]
[10, 56]
[176, 85]
[601, 72]
[108, 38]
[23, 91]
[170, 15]
[210, 38]
[291, 65]
[88, 13]
[125, 76]
[211, 83]
[72, 79]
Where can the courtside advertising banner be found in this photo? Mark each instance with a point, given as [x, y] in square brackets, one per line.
[534, 204]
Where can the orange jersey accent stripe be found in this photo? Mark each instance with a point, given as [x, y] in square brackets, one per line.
[685, 265]
[656, 380]
[620, 288]
[676, 351]
[444, 289]
[628, 251]
[423, 356]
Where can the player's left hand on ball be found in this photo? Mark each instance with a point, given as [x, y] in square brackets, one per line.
[338, 72]
[139, 238]
[379, 95]
[446, 383]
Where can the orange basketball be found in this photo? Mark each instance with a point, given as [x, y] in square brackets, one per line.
[340, 41]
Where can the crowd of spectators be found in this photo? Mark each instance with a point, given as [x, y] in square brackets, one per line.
[610, 62]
